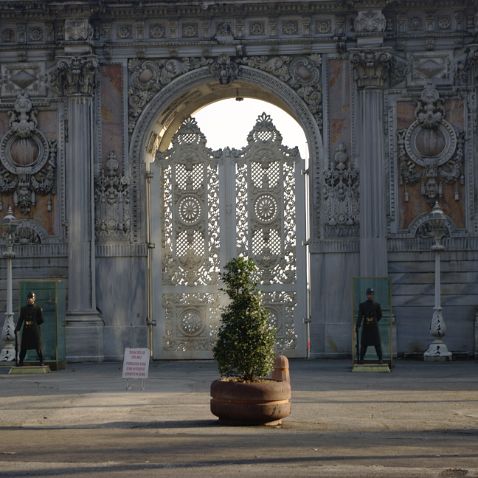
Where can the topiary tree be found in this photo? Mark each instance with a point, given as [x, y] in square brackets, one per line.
[246, 338]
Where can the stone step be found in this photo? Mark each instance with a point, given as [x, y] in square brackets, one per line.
[29, 370]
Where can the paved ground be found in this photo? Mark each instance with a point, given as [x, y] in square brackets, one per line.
[419, 421]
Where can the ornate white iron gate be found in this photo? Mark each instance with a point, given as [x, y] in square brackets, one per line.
[209, 206]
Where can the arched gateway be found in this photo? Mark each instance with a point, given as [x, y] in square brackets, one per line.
[385, 92]
[209, 206]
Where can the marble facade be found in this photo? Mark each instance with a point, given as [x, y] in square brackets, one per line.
[385, 90]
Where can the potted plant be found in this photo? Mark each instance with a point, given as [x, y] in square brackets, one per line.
[245, 355]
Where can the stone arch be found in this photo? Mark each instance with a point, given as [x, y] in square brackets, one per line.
[30, 232]
[416, 228]
[170, 104]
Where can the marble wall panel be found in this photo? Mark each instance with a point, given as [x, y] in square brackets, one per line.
[413, 325]
[3, 123]
[117, 338]
[339, 103]
[121, 298]
[48, 123]
[112, 110]
[331, 303]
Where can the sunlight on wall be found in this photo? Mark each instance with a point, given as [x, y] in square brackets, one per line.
[228, 122]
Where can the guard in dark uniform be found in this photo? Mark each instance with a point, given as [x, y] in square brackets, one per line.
[31, 317]
[369, 315]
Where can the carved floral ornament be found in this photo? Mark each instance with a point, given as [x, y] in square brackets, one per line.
[370, 21]
[112, 200]
[302, 73]
[224, 70]
[341, 195]
[75, 76]
[27, 158]
[78, 29]
[431, 152]
[467, 69]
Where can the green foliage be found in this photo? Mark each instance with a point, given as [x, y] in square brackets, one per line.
[246, 338]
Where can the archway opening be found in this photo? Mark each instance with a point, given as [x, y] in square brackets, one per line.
[215, 121]
[213, 97]
[155, 131]
[228, 185]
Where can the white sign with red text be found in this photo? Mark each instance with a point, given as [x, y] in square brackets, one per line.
[136, 363]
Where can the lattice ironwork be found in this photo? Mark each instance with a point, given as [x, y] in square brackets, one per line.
[266, 203]
[214, 205]
[190, 210]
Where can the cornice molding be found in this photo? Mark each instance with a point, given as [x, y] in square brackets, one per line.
[116, 9]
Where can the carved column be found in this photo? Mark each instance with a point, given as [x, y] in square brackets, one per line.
[370, 73]
[75, 79]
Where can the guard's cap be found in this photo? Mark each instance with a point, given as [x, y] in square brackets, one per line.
[370, 291]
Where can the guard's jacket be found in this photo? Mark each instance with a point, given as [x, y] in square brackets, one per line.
[369, 315]
[31, 317]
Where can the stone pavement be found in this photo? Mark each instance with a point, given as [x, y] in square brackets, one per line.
[421, 420]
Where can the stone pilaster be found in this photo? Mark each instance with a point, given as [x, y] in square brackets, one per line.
[75, 80]
[371, 69]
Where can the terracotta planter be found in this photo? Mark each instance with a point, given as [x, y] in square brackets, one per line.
[257, 403]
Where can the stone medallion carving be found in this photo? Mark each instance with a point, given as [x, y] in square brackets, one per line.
[430, 139]
[431, 152]
[28, 159]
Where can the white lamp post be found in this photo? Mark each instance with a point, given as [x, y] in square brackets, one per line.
[7, 353]
[437, 350]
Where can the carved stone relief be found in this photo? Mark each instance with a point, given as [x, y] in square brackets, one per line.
[112, 220]
[78, 29]
[75, 76]
[370, 21]
[224, 69]
[23, 77]
[431, 154]
[28, 159]
[466, 69]
[302, 73]
[341, 196]
[429, 67]
[30, 232]
[148, 77]
[371, 67]
[422, 229]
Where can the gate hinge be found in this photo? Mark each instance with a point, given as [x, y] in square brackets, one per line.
[304, 171]
[150, 245]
